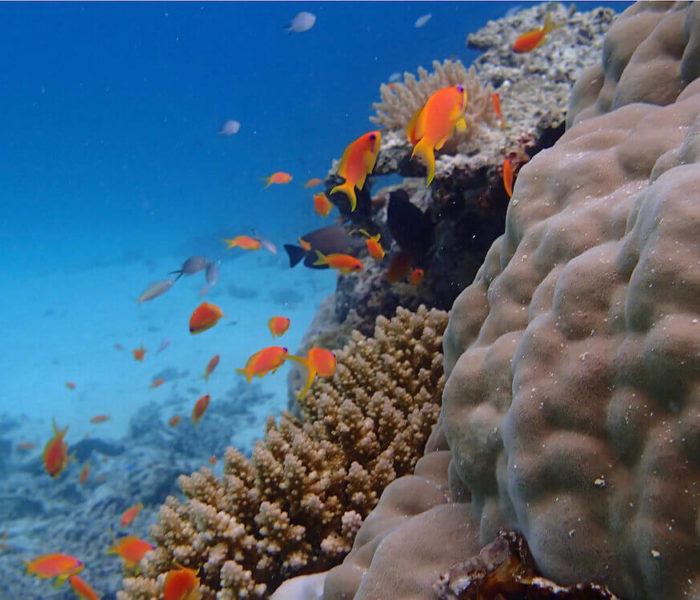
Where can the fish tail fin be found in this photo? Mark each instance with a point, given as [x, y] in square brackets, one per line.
[28, 564]
[295, 253]
[548, 25]
[248, 374]
[321, 260]
[179, 273]
[311, 373]
[267, 180]
[425, 151]
[349, 190]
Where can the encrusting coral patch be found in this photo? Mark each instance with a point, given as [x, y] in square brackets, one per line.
[296, 506]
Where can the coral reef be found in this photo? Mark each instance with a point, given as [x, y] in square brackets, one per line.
[571, 405]
[295, 507]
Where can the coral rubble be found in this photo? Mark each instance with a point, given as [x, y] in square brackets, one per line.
[295, 507]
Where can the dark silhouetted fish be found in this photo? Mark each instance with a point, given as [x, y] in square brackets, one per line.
[411, 228]
[194, 264]
[328, 240]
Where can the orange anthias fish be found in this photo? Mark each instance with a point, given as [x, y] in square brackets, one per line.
[322, 205]
[213, 460]
[54, 565]
[211, 365]
[99, 419]
[70, 385]
[204, 317]
[357, 162]
[82, 588]
[508, 177]
[278, 326]
[317, 362]
[56, 452]
[313, 182]
[373, 246]
[345, 263]
[263, 361]
[535, 38]
[174, 420]
[417, 276]
[200, 408]
[84, 473]
[26, 446]
[139, 353]
[244, 242]
[277, 177]
[158, 382]
[130, 514]
[131, 549]
[496, 99]
[433, 124]
[181, 584]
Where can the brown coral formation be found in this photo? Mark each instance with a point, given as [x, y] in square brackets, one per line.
[296, 506]
[572, 408]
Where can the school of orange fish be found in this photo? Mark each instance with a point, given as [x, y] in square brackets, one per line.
[428, 130]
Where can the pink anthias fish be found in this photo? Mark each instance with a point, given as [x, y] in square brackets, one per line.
[155, 289]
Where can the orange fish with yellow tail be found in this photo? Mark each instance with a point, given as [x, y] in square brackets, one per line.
[211, 365]
[244, 242]
[263, 362]
[55, 453]
[357, 162]
[200, 408]
[317, 362]
[535, 38]
[373, 246]
[279, 177]
[322, 205]
[130, 514]
[57, 565]
[204, 317]
[345, 263]
[131, 549]
[508, 177]
[433, 124]
[278, 326]
[181, 584]
[82, 588]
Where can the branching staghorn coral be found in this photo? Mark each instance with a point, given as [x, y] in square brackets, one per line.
[401, 100]
[295, 507]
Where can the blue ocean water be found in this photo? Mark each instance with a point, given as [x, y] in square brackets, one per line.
[112, 173]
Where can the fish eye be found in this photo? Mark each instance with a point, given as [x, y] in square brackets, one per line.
[460, 88]
[372, 136]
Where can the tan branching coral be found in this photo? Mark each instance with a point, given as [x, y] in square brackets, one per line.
[400, 100]
[296, 506]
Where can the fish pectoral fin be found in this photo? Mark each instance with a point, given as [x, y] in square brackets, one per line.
[461, 124]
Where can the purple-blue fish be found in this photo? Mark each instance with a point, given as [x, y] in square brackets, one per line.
[194, 264]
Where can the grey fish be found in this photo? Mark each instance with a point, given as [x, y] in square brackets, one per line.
[212, 274]
[302, 22]
[267, 244]
[230, 127]
[194, 264]
[155, 289]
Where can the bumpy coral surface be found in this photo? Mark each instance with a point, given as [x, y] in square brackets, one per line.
[295, 508]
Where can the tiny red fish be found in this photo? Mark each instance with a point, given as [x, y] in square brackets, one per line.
[244, 242]
[211, 365]
[174, 420]
[55, 454]
[130, 514]
[318, 361]
[139, 353]
[399, 267]
[345, 263]
[57, 565]
[200, 408]
[70, 385]
[322, 205]
[508, 177]
[82, 588]
[84, 473]
[204, 317]
[264, 361]
[158, 382]
[496, 99]
[213, 460]
[373, 246]
[99, 419]
[417, 276]
[278, 326]
[131, 549]
[277, 177]
[313, 182]
[535, 38]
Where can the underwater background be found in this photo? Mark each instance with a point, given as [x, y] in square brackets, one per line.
[113, 173]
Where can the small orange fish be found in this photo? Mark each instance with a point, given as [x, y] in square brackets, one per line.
[322, 205]
[130, 514]
[139, 353]
[305, 245]
[399, 267]
[417, 276]
[535, 38]
[158, 382]
[373, 246]
[84, 473]
[317, 362]
[57, 565]
[277, 177]
[496, 100]
[345, 263]
[313, 182]
[82, 588]
[26, 446]
[278, 326]
[200, 408]
[55, 452]
[174, 420]
[213, 460]
[131, 549]
[181, 584]
[508, 177]
[244, 242]
[211, 365]
[263, 361]
[204, 317]
[433, 124]
[99, 419]
[70, 385]
[357, 162]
